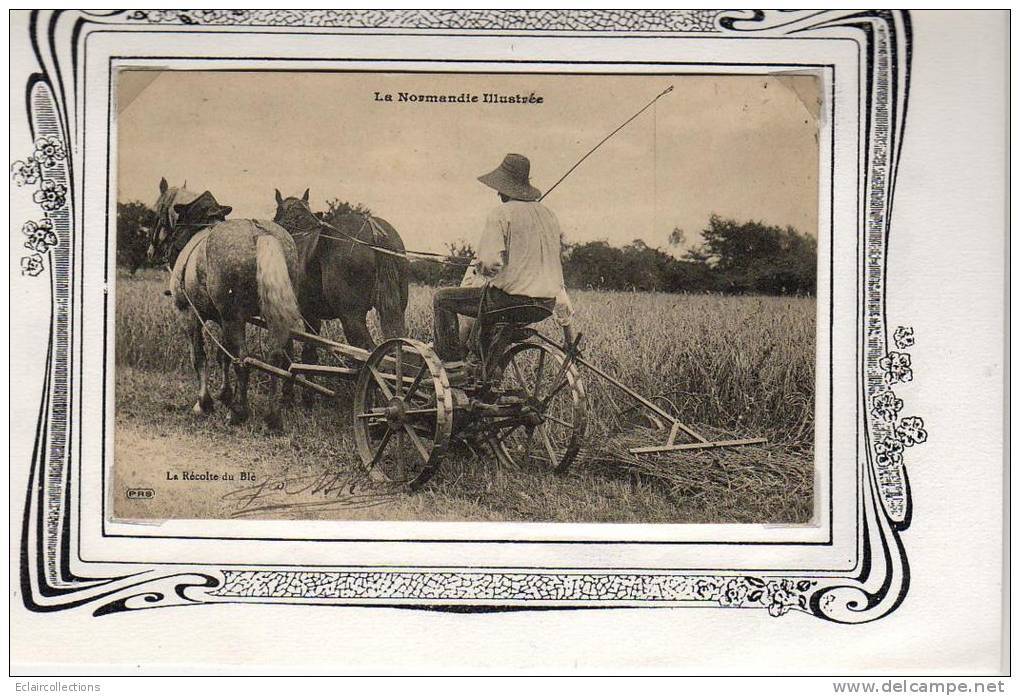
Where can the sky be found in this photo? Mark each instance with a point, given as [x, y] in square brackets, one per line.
[741, 146]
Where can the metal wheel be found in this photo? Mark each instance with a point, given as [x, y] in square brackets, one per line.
[554, 396]
[403, 412]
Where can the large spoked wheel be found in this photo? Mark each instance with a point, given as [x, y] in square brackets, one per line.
[555, 408]
[403, 413]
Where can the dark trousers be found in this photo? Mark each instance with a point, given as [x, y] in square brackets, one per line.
[447, 303]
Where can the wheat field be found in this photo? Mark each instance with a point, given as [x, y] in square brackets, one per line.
[732, 366]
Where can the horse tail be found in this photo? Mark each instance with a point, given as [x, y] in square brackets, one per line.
[392, 271]
[391, 274]
[277, 302]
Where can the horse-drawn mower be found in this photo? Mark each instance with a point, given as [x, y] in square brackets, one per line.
[519, 395]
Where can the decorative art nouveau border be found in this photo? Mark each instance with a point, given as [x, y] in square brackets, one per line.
[877, 588]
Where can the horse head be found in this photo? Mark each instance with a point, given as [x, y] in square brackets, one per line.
[163, 229]
[160, 229]
[294, 214]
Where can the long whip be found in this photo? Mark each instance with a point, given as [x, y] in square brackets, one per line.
[602, 142]
[437, 258]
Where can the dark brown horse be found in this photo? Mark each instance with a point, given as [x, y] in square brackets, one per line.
[228, 271]
[345, 278]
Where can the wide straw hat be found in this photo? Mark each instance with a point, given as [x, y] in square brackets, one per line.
[511, 178]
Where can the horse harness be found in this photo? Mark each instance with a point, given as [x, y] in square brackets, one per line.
[377, 233]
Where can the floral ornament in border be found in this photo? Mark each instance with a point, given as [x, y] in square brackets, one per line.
[50, 195]
[900, 432]
[50, 584]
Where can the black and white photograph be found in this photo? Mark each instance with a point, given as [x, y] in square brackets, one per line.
[509, 341]
[647, 291]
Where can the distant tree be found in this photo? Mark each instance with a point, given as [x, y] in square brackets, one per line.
[735, 257]
[635, 266]
[754, 257]
[644, 267]
[339, 207]
[593, 265]
[682, 275]
[134, 221]
[677, 238]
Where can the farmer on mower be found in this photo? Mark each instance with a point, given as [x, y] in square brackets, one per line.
[518, 259]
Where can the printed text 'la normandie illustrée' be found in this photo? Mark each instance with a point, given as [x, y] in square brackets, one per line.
[461, 98]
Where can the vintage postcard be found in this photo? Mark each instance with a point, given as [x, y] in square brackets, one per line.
[488, 310]
[532, 434]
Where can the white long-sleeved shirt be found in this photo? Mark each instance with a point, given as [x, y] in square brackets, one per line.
[522, 241]
[497, 240]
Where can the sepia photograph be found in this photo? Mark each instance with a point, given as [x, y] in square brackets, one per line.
[593, 341]
[484, 297]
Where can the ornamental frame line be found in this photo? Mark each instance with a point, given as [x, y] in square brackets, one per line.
[876, 589]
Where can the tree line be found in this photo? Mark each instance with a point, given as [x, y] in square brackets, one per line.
[733, 258]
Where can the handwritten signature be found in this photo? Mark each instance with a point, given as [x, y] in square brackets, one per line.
[319, 491]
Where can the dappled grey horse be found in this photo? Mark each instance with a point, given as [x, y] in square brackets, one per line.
[227, 272]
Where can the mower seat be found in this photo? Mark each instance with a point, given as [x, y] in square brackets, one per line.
[523, 314]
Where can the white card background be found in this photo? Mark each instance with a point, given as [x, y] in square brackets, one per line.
[945, 278]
